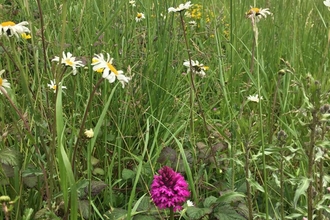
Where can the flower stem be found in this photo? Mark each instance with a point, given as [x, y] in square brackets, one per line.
[83, 123]
[171, 213]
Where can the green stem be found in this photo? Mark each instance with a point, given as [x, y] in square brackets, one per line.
[83, 123]
[171, 214]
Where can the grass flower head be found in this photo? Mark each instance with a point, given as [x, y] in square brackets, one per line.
[54, 86]
[10, 29]
[257, 13]
[197, 67]
[169, 189]
[139, 17]
[180, 8]
[3, 82]
[69, 60]
[109, 72]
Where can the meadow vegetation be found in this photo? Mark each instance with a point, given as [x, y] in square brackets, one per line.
[105, 93]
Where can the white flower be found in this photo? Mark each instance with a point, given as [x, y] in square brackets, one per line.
[109, 72]
[89, 133]
[326, 3]
[132, 3]
[139, 17]
[3, 82]
[254, 98]
[9, 28]
[197, 68]
[53, 85]
[181, 7]
[190, 203]
[257, 13]
[69, 60]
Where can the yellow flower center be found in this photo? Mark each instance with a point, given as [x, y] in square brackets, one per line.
[7, 23]
[254, 11]
[139, 15]
[68, 62]
[112, 68]
[54, 87]
[0, 81]
[94, 60]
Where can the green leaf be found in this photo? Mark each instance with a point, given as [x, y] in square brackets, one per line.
[209, 201]
[116, 214]
[256, 185]
[128, 174]
[197, 213]
[144, 217]
[230, 196]
[9, 157]
[84, 209]
[98, 171]
[301, 190]
[227, 212]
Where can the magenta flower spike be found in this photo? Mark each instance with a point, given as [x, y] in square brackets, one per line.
[169, 189]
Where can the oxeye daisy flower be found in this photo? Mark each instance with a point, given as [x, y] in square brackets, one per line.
[327, 3]
[53, 85]
[3, 82]
[69, 60]
[139, 17]
[180, 8]
[10, 29]
[109, 72]
[254, 98]
[197, 67]
[169, 189]
[257, 13]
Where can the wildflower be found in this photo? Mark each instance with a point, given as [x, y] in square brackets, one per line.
[9, 28]
[258, 13]
[53, 85]
[139, 17]
[181, 7]
[89, 133]
[132, 3]
[69, 60]
[169, 189]
[26, 36]
[189, 203]
[3, 83]
[254, 98]
[109, 71]
[197, 68]
[326, 3]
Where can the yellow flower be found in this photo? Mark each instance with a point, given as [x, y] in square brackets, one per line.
[26, 36]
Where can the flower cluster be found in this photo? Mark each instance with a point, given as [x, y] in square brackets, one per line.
[169, 189]
[257, 13]
[10, 29]
[100, 65]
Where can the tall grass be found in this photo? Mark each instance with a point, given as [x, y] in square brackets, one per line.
[241, 159]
